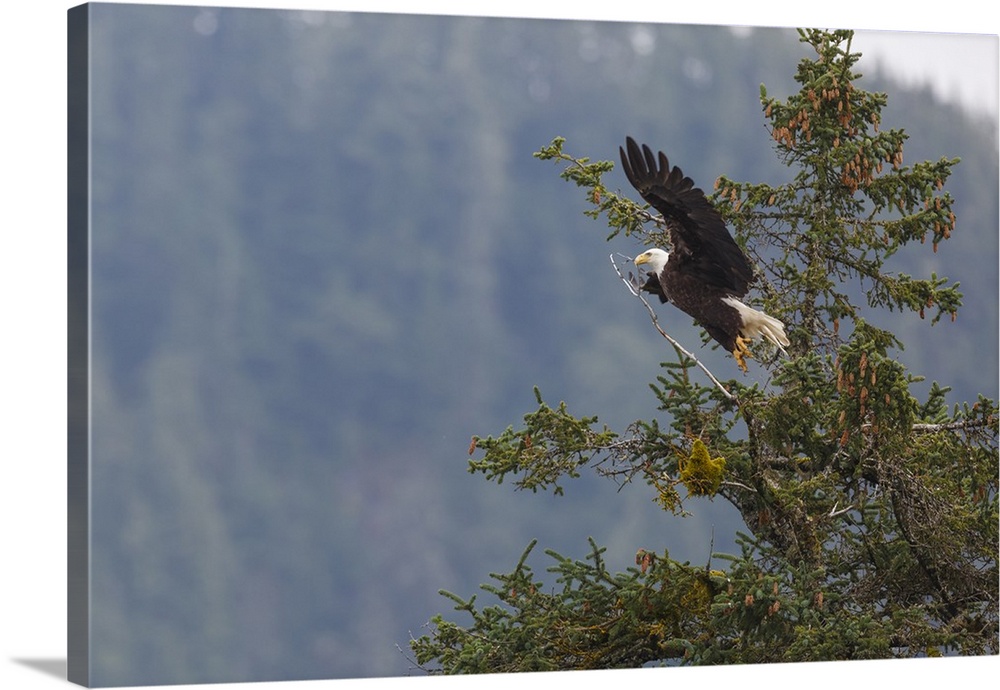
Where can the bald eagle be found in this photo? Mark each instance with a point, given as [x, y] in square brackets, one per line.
[706, 272]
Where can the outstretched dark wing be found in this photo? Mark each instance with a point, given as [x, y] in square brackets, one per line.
[702, 246]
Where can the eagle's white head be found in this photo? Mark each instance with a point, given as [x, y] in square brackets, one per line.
[655, 258]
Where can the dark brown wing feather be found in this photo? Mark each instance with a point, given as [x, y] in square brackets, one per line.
[654, 286]
[702, 246]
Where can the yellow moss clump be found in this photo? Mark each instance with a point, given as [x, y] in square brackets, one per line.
[698, 597]
[700, 473]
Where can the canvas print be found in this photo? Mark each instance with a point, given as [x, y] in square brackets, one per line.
[406, 345]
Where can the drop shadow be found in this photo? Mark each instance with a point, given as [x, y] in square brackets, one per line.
[51, 667]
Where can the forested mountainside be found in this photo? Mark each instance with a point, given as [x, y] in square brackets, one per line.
[324, 257]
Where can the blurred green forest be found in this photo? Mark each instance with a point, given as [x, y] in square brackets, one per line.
[323, 258]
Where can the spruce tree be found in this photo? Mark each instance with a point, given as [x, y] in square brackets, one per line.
[871, 515]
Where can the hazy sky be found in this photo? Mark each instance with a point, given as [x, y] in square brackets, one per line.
[960, 67]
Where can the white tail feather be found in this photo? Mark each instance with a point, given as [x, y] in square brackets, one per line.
[757, 324]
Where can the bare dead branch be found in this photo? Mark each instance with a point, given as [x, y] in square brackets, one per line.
[656, 324]
[952, 426]
[843, 511]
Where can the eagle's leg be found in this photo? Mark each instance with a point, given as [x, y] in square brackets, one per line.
[741, 352]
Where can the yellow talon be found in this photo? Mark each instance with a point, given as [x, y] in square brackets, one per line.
[741, 352]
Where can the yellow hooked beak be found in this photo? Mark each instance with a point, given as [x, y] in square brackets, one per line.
[642, 258]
